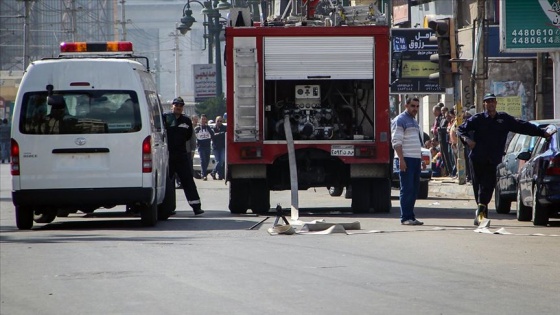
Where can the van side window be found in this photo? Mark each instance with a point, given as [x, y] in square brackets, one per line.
[85, 112]
[155, 110]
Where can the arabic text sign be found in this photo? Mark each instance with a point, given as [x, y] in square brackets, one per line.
[530, 25]
[510, 105]
[204, 81]
[414, 48]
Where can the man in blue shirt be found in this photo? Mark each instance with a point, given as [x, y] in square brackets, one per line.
[407, 143]
[486, 133]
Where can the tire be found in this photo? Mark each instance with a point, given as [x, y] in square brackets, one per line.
[149, 213]
[423, 190]
[503, 205]
[335, 191]
[381, 195]
[46, 217]
[361, 193]
[169, 201]
[24, 218]
[238, 196]
[540, 213]
[260, 197]
[523, 212]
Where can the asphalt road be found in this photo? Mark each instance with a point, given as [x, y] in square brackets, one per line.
[213, 264]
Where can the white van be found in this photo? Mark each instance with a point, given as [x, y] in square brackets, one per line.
[87, 133]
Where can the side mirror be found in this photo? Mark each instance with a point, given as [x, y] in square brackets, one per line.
[525, 156]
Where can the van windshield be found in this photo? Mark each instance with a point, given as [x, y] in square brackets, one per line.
[82, 112]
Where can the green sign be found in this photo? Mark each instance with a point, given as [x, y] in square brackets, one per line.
[530, 25]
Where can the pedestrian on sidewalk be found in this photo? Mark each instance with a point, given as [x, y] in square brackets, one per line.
[486, 133]
[179, 131]
[204, 135]
[407, 143]
[219, 148]
[5, 140]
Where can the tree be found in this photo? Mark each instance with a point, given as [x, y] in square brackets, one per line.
[212, 107]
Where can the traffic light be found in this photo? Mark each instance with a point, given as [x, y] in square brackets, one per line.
[447, 50]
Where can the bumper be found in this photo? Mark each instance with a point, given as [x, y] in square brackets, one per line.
[96, 197]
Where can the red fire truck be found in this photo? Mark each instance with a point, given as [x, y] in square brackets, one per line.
[327, 88]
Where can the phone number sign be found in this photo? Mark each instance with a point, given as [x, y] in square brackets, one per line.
[530, 25]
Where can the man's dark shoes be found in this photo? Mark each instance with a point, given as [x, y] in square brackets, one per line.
[198, 211]
[213, 176]
[481, 214]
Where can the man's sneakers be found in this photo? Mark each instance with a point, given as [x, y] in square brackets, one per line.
[480, 214]
[412, 222]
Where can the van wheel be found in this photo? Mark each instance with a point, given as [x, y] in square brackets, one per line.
[46, 217]
[149, 213]
[238, 196]
[169, 202]
[381, 195]
[361, 191]
[24, 217]
[260, 197]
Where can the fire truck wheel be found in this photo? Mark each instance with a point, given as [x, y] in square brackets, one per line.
[238, 196]
[381, 195]
[260, 197]
[361, 190]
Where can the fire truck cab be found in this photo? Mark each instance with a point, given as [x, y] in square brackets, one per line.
[330, 86]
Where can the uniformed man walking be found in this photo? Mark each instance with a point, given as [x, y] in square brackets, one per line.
[486, 133]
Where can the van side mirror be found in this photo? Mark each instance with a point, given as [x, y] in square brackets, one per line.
[525, 156]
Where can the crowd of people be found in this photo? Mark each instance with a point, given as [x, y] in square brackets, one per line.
[444, 142]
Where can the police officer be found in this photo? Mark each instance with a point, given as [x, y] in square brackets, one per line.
[179, 132]
[486, 133]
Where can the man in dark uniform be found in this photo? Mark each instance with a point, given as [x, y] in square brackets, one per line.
[179, 131]
[486, 133]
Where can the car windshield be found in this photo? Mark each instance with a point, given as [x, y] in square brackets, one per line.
[82, 112]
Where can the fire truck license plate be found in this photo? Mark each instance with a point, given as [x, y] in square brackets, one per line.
[342, 150]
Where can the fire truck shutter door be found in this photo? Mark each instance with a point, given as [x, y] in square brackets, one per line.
[289, 58]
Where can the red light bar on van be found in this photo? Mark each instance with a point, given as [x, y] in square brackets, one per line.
[96, 47]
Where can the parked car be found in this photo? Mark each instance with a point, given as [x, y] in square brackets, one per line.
[539, 181]
[425, 174]
[507, 171]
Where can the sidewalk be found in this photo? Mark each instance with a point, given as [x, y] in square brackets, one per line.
[449, 187]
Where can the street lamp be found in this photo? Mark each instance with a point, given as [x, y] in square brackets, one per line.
[211, 9]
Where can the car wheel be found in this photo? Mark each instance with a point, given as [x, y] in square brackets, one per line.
[149, 213]
[523, 212]
[503, 206]
[540, 212]
[46, 217]
[423, 190]
[24, 217]
[335, 191]
[361, 193]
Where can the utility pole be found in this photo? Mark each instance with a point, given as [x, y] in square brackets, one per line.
[177, 59]
[26, 34]
[480, 74]
[123, 20]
